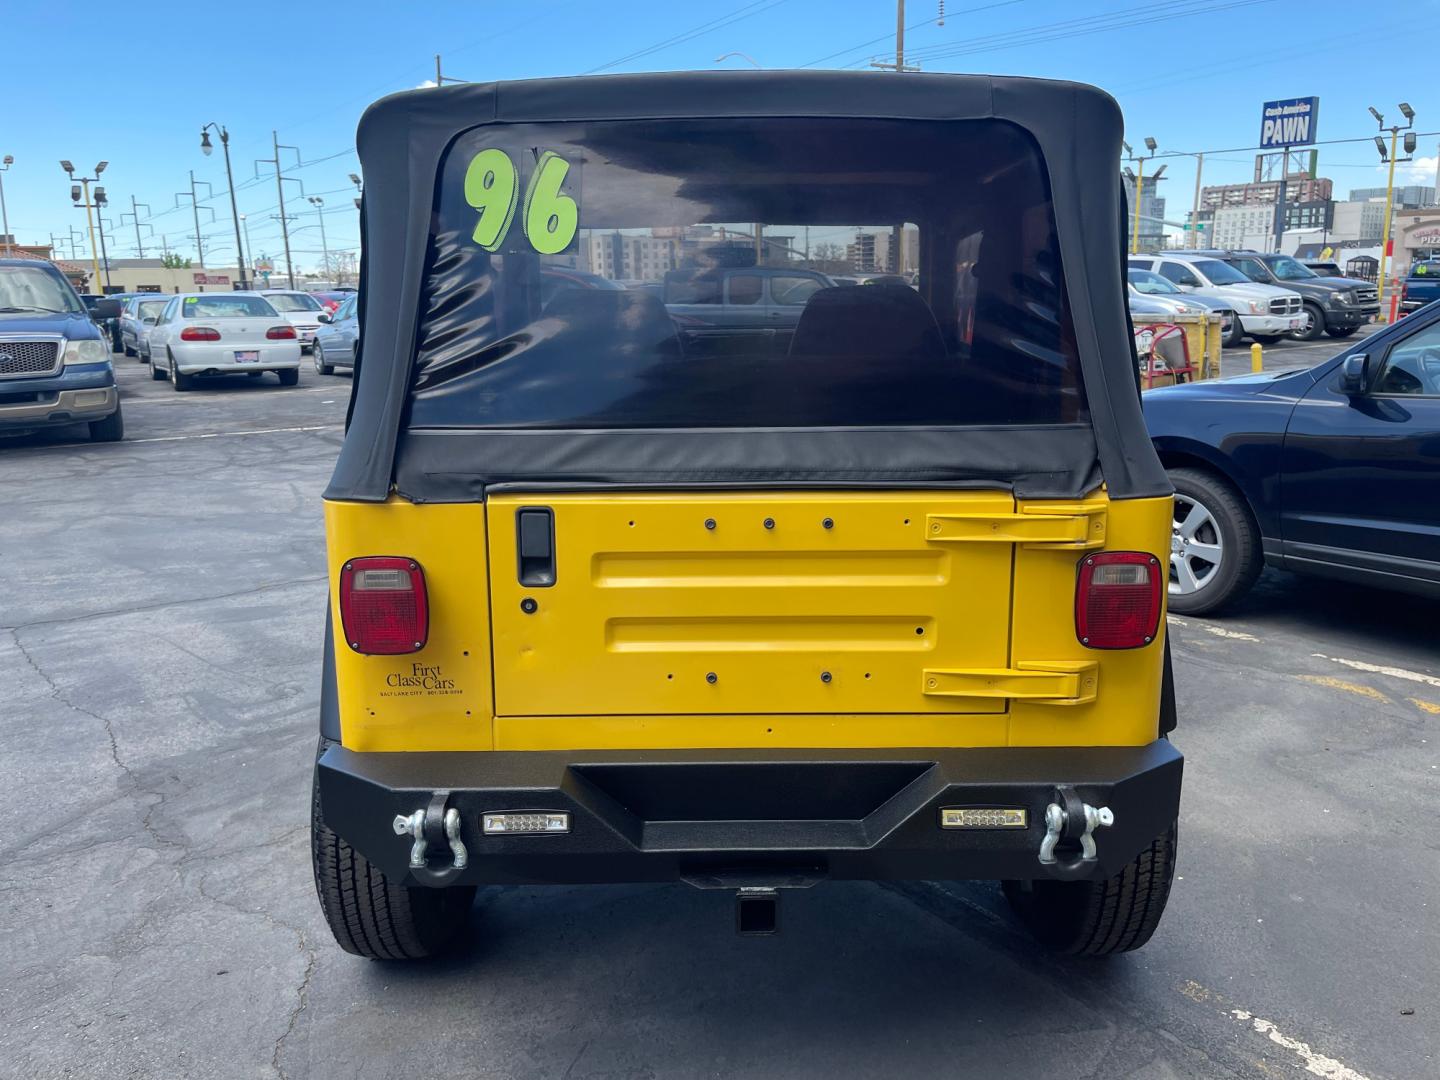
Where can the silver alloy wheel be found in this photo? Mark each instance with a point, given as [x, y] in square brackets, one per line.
[1196, 546]
[317, 355]
[1307, 323]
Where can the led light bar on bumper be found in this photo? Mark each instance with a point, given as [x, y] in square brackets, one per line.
[525, 821]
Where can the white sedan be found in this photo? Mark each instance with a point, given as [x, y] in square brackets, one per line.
[219, 334]
[299, 309]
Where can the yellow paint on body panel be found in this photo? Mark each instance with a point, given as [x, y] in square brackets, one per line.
[824, 629]
[440, 697]
[1126, 711]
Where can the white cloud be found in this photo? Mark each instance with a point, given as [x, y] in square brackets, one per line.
[1420, 171]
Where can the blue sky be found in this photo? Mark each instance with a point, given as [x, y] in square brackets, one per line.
[134, 88]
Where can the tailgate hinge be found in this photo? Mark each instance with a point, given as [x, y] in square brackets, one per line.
[1055, 682]
[1065, 526]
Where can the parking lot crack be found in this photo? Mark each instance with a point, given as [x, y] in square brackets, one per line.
[302, 991]
[58, 693]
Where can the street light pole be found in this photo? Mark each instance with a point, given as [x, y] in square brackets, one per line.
[1139, 160]
[89, 220]
[319, 205]
[4, 214]
[1395, 130]
[206, 148]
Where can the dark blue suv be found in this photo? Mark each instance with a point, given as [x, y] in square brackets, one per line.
[1332, 470]
[54, 362]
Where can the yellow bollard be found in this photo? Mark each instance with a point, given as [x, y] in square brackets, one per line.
[1257, 358]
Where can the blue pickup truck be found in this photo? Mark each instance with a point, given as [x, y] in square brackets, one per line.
[1422, 285]
[54, 362]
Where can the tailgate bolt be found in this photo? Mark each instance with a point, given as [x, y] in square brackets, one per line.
[709, 523]
[824, 676]
[711, 677]
[828, 523]
[769, 523]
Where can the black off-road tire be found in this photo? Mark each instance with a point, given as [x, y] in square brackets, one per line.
[1243, 559]
[1099, 918]
[372, 917]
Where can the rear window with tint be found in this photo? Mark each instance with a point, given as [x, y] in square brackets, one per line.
[225, 307]
[695, 218]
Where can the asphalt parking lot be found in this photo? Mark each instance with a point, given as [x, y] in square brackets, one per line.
[160, 649]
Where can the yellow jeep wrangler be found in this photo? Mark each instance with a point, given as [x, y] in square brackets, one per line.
[745, 484]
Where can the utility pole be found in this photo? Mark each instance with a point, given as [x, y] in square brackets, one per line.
[135, 213]
[899, 64]
[100, 220]
[899, 35]
[75, 193]
[319, 205]
[206, 148]
[442, 79]
[249, 253]
[5, 214]
[280, 188]
[195, 205]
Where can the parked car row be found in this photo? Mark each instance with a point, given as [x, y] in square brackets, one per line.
[1273, 296]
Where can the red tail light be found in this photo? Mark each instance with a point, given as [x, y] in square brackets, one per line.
[383, 605]
[199, 333]
[1117, 599]
[281, 333]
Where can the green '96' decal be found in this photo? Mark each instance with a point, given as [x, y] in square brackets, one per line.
[492, 187]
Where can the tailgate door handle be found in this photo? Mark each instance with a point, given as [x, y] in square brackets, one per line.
[1057, 682]
[535, 546]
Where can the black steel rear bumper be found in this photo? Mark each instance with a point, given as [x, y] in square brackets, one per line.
[744, 817]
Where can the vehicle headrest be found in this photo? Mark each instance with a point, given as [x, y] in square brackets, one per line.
[890, 321]
[622, 321]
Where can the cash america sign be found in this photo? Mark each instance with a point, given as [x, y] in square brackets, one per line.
[1287, 123]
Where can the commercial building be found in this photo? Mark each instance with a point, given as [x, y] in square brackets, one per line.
[152, 275]
[1411, 195]
[1298, 188]
[1359, 220]
[631, 256]
[1250, 226]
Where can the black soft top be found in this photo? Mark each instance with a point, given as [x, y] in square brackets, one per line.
[1077, 128]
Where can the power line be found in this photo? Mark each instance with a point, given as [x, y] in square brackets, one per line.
[917, 26]
[1084, 26]
[744, 12]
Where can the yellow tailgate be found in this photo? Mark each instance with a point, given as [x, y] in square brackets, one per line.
[685, 604]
